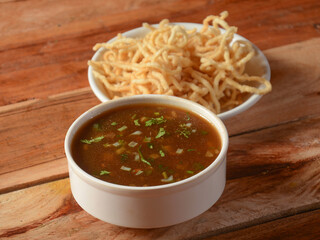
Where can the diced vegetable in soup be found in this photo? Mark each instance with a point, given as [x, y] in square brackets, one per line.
[145, 145]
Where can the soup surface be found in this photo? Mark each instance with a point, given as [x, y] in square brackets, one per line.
[145, 145]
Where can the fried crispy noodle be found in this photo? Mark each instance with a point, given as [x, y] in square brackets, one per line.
[201, 66]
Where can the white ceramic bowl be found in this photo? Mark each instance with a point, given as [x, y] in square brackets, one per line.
[259, 65]
[154, 206]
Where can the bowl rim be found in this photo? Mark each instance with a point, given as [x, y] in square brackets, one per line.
[254, 98]
[106, 106]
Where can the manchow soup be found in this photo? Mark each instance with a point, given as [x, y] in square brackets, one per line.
[145, 145]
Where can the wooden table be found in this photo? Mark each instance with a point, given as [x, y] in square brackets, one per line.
[273, 173]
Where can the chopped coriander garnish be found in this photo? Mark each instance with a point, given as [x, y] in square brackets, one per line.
[161, 133]
[107, 145]
[161, 153]
[122, 128]
[152, 121]
[121, 141]
[190, 172]
[150, 145]
[142, 158]
[184, 131]
[104, 172]
[136, 122]
[188, 116]
[92, 140]
[145, 161]
[114, 124]
[191, 150]
[147, 139]
[133, 116]
[156, 113]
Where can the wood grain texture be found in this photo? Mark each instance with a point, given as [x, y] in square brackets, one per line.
[44, 46]
[304, 226]
[37, 127]
[33, 136]
[272, 173]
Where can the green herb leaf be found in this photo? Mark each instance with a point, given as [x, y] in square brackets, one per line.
[92, 140]
[133, 116]
[142, 158]
[145, 161]
[107, 145]
[152, 121]
[136, 122]
[161, 153]
[191, 150]
[161, 133]
[114, 124]
[184, 131]
[188, 116]
[122, 128]
[156, 113]
[147, 139]
[150, 145]
[104, 172]
[190, 172]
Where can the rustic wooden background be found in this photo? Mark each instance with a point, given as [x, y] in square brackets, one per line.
[273, 174]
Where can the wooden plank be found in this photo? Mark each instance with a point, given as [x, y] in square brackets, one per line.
[50, 57]
[33, 175]
[304, 226]
[280, 17]
[38, 127]
[55, 55]
[272, 173]
[32, 136]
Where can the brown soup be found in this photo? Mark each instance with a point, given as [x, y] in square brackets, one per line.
[145, 145]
